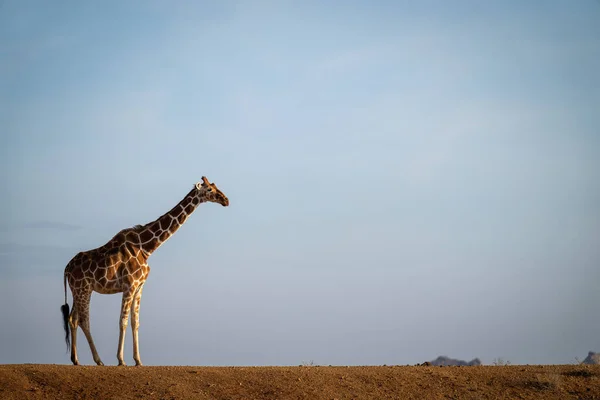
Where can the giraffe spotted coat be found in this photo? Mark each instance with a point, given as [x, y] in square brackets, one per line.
[121, 266]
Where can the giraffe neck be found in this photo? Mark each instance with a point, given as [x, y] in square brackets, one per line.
[155, 233]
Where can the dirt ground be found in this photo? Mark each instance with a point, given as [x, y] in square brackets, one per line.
[30, 381]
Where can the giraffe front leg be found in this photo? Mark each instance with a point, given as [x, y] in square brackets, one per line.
[125, 306]
[135, 324]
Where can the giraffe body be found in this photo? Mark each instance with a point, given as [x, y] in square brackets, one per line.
[121, 266]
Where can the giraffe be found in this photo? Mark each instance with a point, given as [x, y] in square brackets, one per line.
[121, 266]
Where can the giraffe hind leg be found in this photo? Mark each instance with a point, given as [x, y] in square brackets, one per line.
[84, 321]
[73, 325]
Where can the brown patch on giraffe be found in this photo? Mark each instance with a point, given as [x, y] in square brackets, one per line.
[165, 235]
[146, 235]
[124, 271]
[110, 274]
[181, 218]
[189, 208]
[165, 223]
[186, 200]
[132, 237]
[172, 222]
[176, 225]
[137, 274]
[86, 265]
[99, 273]
[87, 281]
[102, 281]
[155, 226]
[113, 251]
[108, 262]
[140, 258]
[152, 244]
[76, 273]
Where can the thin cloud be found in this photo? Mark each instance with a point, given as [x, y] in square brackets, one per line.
[60, 226]
[39, 225]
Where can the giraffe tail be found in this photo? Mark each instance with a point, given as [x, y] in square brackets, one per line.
[65, 313]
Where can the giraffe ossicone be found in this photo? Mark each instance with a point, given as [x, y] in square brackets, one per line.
[121, 266]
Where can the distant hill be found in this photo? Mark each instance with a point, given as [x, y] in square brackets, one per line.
[592, 358]
[443, 360]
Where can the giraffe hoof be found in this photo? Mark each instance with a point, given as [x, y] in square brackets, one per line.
[122, 364]
[100, 363]
[138, 364]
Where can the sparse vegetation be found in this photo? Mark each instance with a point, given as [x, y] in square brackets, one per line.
[544, 382]
[500, 362]
[580, 373]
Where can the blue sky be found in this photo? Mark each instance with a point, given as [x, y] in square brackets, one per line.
[406, 180]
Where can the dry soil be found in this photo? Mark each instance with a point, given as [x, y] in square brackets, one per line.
[31, 381]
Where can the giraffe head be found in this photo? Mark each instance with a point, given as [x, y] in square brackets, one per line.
[209, 192]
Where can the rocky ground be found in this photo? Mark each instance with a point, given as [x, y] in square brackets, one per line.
[30, 381]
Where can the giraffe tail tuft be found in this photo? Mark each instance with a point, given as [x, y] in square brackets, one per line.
[65, 312]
